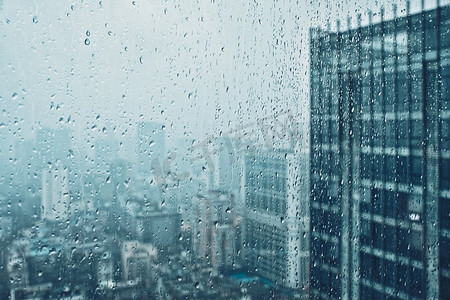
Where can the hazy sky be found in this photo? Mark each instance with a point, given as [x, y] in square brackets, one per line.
[198, 66]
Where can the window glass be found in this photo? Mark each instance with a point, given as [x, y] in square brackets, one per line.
[217, 149]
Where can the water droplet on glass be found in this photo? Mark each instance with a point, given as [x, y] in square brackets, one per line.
[35, 20]
[87, 41]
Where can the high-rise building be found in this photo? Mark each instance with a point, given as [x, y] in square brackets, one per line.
[160, 228]
[150, 147]
[53, 145]
[227, 164]
[55, 193]
[276, 219]
[106, 152]
[6, 220]
[136, 260]
[214, 235]
[380, 140]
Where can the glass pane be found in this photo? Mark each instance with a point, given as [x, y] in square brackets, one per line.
[224, 149]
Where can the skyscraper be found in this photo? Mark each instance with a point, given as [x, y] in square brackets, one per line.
[53, 145]
[214, 230]
[276, 217]
[227, 163]
[55, 193]
[150, 147]
[380, 159]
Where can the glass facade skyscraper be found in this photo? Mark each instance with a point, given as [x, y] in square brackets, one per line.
[380, 159]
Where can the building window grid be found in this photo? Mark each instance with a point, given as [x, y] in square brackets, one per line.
[412, 173]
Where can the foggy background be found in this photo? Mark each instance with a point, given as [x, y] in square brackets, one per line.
[199, 67]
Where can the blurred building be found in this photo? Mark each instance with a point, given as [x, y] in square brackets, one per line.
[53, 145]
[150, 147]
[380, 160]
[55, 193]
[161, 229]
[227, 164]
[136, 259]
[38, 269]
[6, 220]
[276, 217]
[26, 168]
[106, 152]
[214, 235]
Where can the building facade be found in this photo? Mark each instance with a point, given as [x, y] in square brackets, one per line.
[214, 234]
[150, 147]
[276, 217]
[380, 159]
[55, 193]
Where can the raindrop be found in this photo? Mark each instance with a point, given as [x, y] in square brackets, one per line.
[141, 60]
[35, 20]
[14, 96]
[88, 33]
[87, 41]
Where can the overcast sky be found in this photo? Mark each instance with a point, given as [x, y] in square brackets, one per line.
[200, 67]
